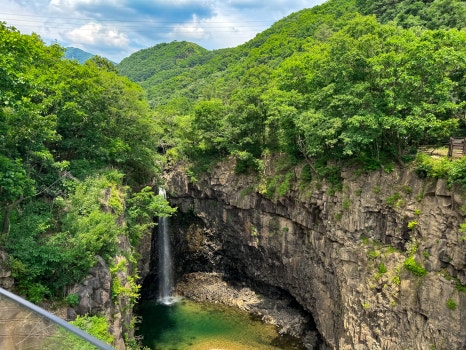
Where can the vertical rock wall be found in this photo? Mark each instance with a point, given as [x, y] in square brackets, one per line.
[379, 264]
[6, 281]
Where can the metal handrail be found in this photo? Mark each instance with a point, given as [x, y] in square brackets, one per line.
[58, 321]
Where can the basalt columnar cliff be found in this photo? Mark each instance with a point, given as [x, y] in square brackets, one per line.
[377, 265]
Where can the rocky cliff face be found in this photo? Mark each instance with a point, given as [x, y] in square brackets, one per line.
[379, 264]
[6, 281]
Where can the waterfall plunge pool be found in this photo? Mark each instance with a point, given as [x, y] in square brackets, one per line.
[204, 326]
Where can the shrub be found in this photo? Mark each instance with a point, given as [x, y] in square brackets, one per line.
[285, 185]
[94, 325]
[411, 265]
[412, 225]
[37, 292]
[245, 162]
[382, 268]
[72, 299]
[454, 171]
[395, 200]
[306, 173]
[451, 304]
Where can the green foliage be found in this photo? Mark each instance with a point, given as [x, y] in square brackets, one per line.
[365, 240]
[396, 280]
[394, 200]
[54, 254]
[366, 305]
[72, 299]
[306, 173]
[430, 14]
[103, 119]
[460, 287]
[412, 225]
[142, 209]
[94, 325]
[346, 204]
[382, 268]
[325, 84]
[130, 289]
[285, 185]
[245, 162]
[411, 265]
[36, 292]
[14, 181]
[451, 304]
[124, 288]
[454, 170]
[93, 227]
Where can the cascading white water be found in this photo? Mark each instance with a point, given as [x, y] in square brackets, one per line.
[165, 267]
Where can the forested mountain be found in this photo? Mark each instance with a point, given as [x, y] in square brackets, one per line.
[73, 53]
[166, 69]
[326, 83]
[430, 14]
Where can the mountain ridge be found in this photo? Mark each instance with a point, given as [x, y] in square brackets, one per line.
[74, 53]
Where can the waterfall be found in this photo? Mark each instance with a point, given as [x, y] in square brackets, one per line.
[165, 267]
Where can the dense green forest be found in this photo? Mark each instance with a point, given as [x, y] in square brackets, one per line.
[331, 83]
[77, 152]
[350, 82]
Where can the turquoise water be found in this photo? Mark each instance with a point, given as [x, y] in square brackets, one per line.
[198, 326]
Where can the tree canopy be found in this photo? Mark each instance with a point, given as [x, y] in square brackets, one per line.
[347, 80]
[75, 142]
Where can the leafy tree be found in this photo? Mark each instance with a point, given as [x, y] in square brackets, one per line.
[143, 207]
[431, 14]
[27, 119]
[104, 120]
[61, 123]
[208, 124]
[373, 89]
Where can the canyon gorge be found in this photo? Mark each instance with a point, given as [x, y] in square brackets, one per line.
[377, 264]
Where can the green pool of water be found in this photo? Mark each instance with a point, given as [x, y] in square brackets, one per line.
[190, 325]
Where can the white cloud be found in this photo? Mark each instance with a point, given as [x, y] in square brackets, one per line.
[95, 35]
[191, 30]
[116, 28]
[78, 3]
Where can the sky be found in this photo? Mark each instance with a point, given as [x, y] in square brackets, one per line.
[116, 28]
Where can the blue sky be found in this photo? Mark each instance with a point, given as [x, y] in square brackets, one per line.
[117, 28]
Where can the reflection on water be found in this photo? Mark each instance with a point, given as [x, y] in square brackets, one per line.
[196, 326]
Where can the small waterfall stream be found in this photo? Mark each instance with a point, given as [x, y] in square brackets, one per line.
[165, 267]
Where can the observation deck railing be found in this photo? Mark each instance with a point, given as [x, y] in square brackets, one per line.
[24, 325]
